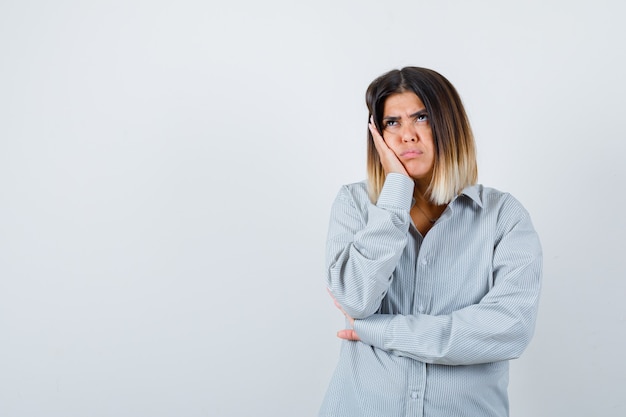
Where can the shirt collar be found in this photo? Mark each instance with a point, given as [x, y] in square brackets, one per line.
[473, 192]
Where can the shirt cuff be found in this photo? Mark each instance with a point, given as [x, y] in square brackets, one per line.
[397, 192]
[372, 330]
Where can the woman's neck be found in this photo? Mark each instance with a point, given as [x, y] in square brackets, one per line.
[419, 192]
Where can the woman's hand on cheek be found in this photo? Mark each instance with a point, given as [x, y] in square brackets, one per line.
[388, 158]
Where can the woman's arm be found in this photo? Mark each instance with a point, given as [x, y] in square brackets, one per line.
[497, 328]
[364, 244]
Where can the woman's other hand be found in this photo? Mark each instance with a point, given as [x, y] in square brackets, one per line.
[346, 334]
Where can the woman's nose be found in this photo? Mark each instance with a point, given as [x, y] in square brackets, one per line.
[409, 135]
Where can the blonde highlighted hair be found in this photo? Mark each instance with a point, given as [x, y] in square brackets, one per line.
[455, 152]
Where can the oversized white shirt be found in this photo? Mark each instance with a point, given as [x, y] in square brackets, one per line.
[438, 316]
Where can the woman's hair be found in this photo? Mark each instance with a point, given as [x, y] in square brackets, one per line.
[455, 153]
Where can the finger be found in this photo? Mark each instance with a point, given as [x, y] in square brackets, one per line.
[348, 334]
[350, 319]
[376, 135]
[332, 296]
[334, 300]
[372, 125]
[379, 142]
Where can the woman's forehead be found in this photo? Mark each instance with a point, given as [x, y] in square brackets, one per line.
[400, 103]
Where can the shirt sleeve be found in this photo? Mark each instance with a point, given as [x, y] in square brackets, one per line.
[497, 328]
[364, 245]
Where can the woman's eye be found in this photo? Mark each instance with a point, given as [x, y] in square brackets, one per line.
[422, 117]
[391, 123]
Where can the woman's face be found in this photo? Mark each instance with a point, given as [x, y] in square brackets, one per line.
[406, 130]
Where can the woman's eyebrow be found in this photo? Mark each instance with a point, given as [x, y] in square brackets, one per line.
[417, 113]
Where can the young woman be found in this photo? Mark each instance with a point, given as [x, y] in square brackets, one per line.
[438, 277]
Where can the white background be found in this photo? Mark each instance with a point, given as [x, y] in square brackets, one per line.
[167, 170]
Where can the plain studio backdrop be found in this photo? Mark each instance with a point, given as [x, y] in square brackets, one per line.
[167, 170]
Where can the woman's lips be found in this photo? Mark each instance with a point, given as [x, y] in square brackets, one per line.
[412, 153]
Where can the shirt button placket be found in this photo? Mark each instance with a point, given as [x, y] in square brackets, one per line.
[423, 263]
[415, 390]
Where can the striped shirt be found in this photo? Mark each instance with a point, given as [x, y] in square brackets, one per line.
[439, 316]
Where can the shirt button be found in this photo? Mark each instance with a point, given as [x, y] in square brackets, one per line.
[424, 261]
[414, 395]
